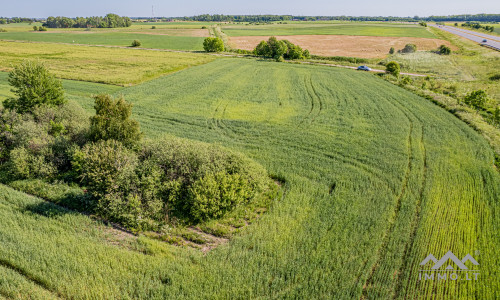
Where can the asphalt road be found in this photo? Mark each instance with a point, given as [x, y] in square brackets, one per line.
[491, 40]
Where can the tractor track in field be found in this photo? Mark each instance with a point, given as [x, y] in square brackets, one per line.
[413, 121]
[392, 221]
[314, 100]
[416, 212]
[38, 282]
[405, 265]
[415, 223]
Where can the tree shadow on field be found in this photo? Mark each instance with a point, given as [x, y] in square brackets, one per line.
[49, 210]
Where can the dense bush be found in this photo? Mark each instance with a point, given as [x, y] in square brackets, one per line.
[393, 68]
[107, 169]
[136, 43]
[211, 44]
[280, 50]
[445, 50]
[167, 178]
[477, 25]
[112, 121]
[476, 99]
[33, 85]
[409, 48]
[195, 171]
[391, 51]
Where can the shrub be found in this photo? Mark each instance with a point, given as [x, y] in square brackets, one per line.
[293, 51]
[203, 27]
[476, 99]
[262, 49]
[211, 44]
[41, 28]
[153, 27]
[194, 171]
[409, 48]
[393, 68]
[112, 121]
[215, 194]
[276, 48]
[391, 51]
[445, 50]
[406, 80]
[280, 50]
[107, 169]
[3, 30]
[33, 85]
[136, 43]
[26, 165]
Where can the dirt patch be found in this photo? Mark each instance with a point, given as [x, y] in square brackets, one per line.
[344, 45]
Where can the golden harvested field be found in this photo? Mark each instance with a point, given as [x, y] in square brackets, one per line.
[344, 45]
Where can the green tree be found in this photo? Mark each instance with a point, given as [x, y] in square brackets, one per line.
[33, 85]
[393, 68]
[112, 121]
[136, 43]
[476, 99]
[445, 50]
[211, 44]
[262, 49]
[277, 48]
[391, 51]
[35, 28]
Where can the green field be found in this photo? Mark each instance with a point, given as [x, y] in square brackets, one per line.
[99, 64]
[376, 179]
[362, 29]
[110, 38]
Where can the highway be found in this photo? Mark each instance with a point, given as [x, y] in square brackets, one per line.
[492, 41]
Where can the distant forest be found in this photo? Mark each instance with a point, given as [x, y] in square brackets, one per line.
[108, 21]
[112, 20]
[278, 18]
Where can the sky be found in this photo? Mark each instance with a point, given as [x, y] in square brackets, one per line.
[168, 8]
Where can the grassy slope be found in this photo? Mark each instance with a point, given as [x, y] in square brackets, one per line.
[96, 64]
[110, 38]
[373, 172]
[330, 29]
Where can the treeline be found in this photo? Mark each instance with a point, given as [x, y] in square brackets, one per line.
[15, 20]
[108, 21]
[465, 18]
[278, 18]
[238, 18]
[477, 25]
